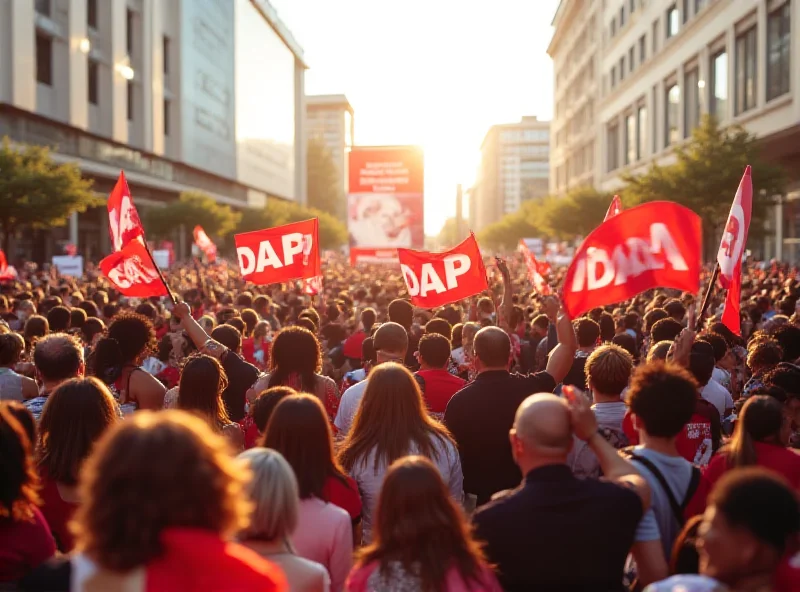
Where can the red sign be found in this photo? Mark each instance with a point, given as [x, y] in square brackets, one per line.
[436, 279]
[205, 244]
[731, 249]
[362, 255]
[279, 254]
[133, 272]
[124, 224]
[657, 244]
[386, 170]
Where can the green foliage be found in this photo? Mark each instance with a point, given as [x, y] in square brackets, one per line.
[705, 176]
[191, 208]
[325, 185]
[448, 236]
[506, 232]
[332, 233]
[575, 214]
[37, 192]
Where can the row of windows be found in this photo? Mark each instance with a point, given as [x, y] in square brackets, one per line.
[45, 8]
[528, 135]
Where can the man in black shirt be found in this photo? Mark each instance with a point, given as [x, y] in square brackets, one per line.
[588, 334]
[557, 532]
[480, 415]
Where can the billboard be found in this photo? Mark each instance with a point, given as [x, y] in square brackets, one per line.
[385, 197]
[207, 86]
[265, 105]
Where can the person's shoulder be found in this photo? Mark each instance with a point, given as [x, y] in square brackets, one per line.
[354, 391]
[540, 380]
[259, 569]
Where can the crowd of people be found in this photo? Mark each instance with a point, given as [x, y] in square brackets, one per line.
[261, 438]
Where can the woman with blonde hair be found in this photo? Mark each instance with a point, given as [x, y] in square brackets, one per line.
[273, 490]
[392, 422]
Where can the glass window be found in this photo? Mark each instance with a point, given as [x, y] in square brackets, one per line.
[655, 37]
[631, 53]
[613, 77]
[613, 26]
[43, 7]
[718, 94]
[630, 138]
[91, 14]
[44, 59]
[129, 90]
[621, 16]
[167, 107]
[778, 52]
[632, 6]
[642, 49]
[612, 147]
[686, 4]
[746, 61]
[673, 21]
[698, 5]
[672, 104]
[641, 132]
[93, 75]
[691, 102]
[622, 68]
[165, 51]
[129, 30]
[654, 119]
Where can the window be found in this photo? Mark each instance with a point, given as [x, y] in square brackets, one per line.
[632, 8]
[166, 116]
[622, 68]
[612, 147]
[778, 52]
[641, 132]
[91, 14]
[130, 100]
[166, 54]
[691, 102]
[630, 138]
[655, 37]
[654, 119]
[44, 59]
[642, 49]
[698, 5]
[631, 53]
[718, 93]
[93, 74]
[43, 7]
[129, 30]
[613, 27]
[746, 60]
[673, 21]
[686, 10]
[613, 77]
[621, 16]
[672, 104]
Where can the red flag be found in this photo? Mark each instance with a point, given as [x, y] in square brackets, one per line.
[205, 244]
[280, 254]
[614, 209]
[132, 272]
[653, 245]
[436, 279]
[535, 269]
[731, 249]
[312, 286]
[123, 219]
[7, 272]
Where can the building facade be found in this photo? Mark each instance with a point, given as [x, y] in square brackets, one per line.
[514, 168]
[181, 95]
[331, 119]
[575, 48]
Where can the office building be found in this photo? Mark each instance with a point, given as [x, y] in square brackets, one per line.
[182, 95]
[575, 47]
[330, 118]
[514, 167]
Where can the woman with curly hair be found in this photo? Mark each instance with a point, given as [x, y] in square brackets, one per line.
[200, 392]
[117, 362]
[25, 538]
[296, 362]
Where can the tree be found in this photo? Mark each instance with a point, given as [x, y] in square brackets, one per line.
[192, 208]
[448, 236]
[325, 185]
[706, 175]
[332, 233]
[506, 232]
[36, 192]
[577, 213]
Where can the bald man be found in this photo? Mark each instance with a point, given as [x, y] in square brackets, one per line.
[557, 532]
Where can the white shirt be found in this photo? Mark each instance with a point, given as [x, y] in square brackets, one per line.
[348, 405]
[717, 395]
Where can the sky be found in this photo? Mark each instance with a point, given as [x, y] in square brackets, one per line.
[437, 73]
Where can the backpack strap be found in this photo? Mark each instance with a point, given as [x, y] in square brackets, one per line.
[677, 509]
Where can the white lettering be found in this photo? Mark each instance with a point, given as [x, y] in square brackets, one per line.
[451, 272]
[430, 280]
[267, 257]
[596, 258]
[660, 238]
[412, 284]
[247, 260]
[292, 245]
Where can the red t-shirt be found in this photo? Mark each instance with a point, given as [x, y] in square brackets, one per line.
[439, 388]
[352, 346]
[57, 512]
[24, 545]
[344, 496]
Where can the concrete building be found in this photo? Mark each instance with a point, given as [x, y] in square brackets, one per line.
[182, 95]
[664, 63]
[331, 119]
[575, 49]
[514, 168]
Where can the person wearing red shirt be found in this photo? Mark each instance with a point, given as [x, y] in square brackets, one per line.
[437, 384]
[352, 346]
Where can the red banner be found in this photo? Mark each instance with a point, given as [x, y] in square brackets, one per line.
[279, 254]
[360, 255]
[731, 249]
[312, 286]
[7, 272]
[614, 209]
[436, 279]
[205, 244]
[536, 270]
[654, 245]
[132, 272]
[124, 224]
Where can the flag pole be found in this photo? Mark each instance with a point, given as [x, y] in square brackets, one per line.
[160, 274]
[707, 299]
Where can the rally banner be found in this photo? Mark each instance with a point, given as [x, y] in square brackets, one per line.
[361, 255]
[124, 224]
[279, 254]
[731, 249]
[536, 270]
[205, 244]
[133, 272]
[436, 279]
[312, 286]
[654, 245]
[614, 209]
[7, 272]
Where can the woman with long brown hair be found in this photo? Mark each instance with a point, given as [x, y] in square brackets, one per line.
[392, 422]
[200, 391]
[421, 540]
